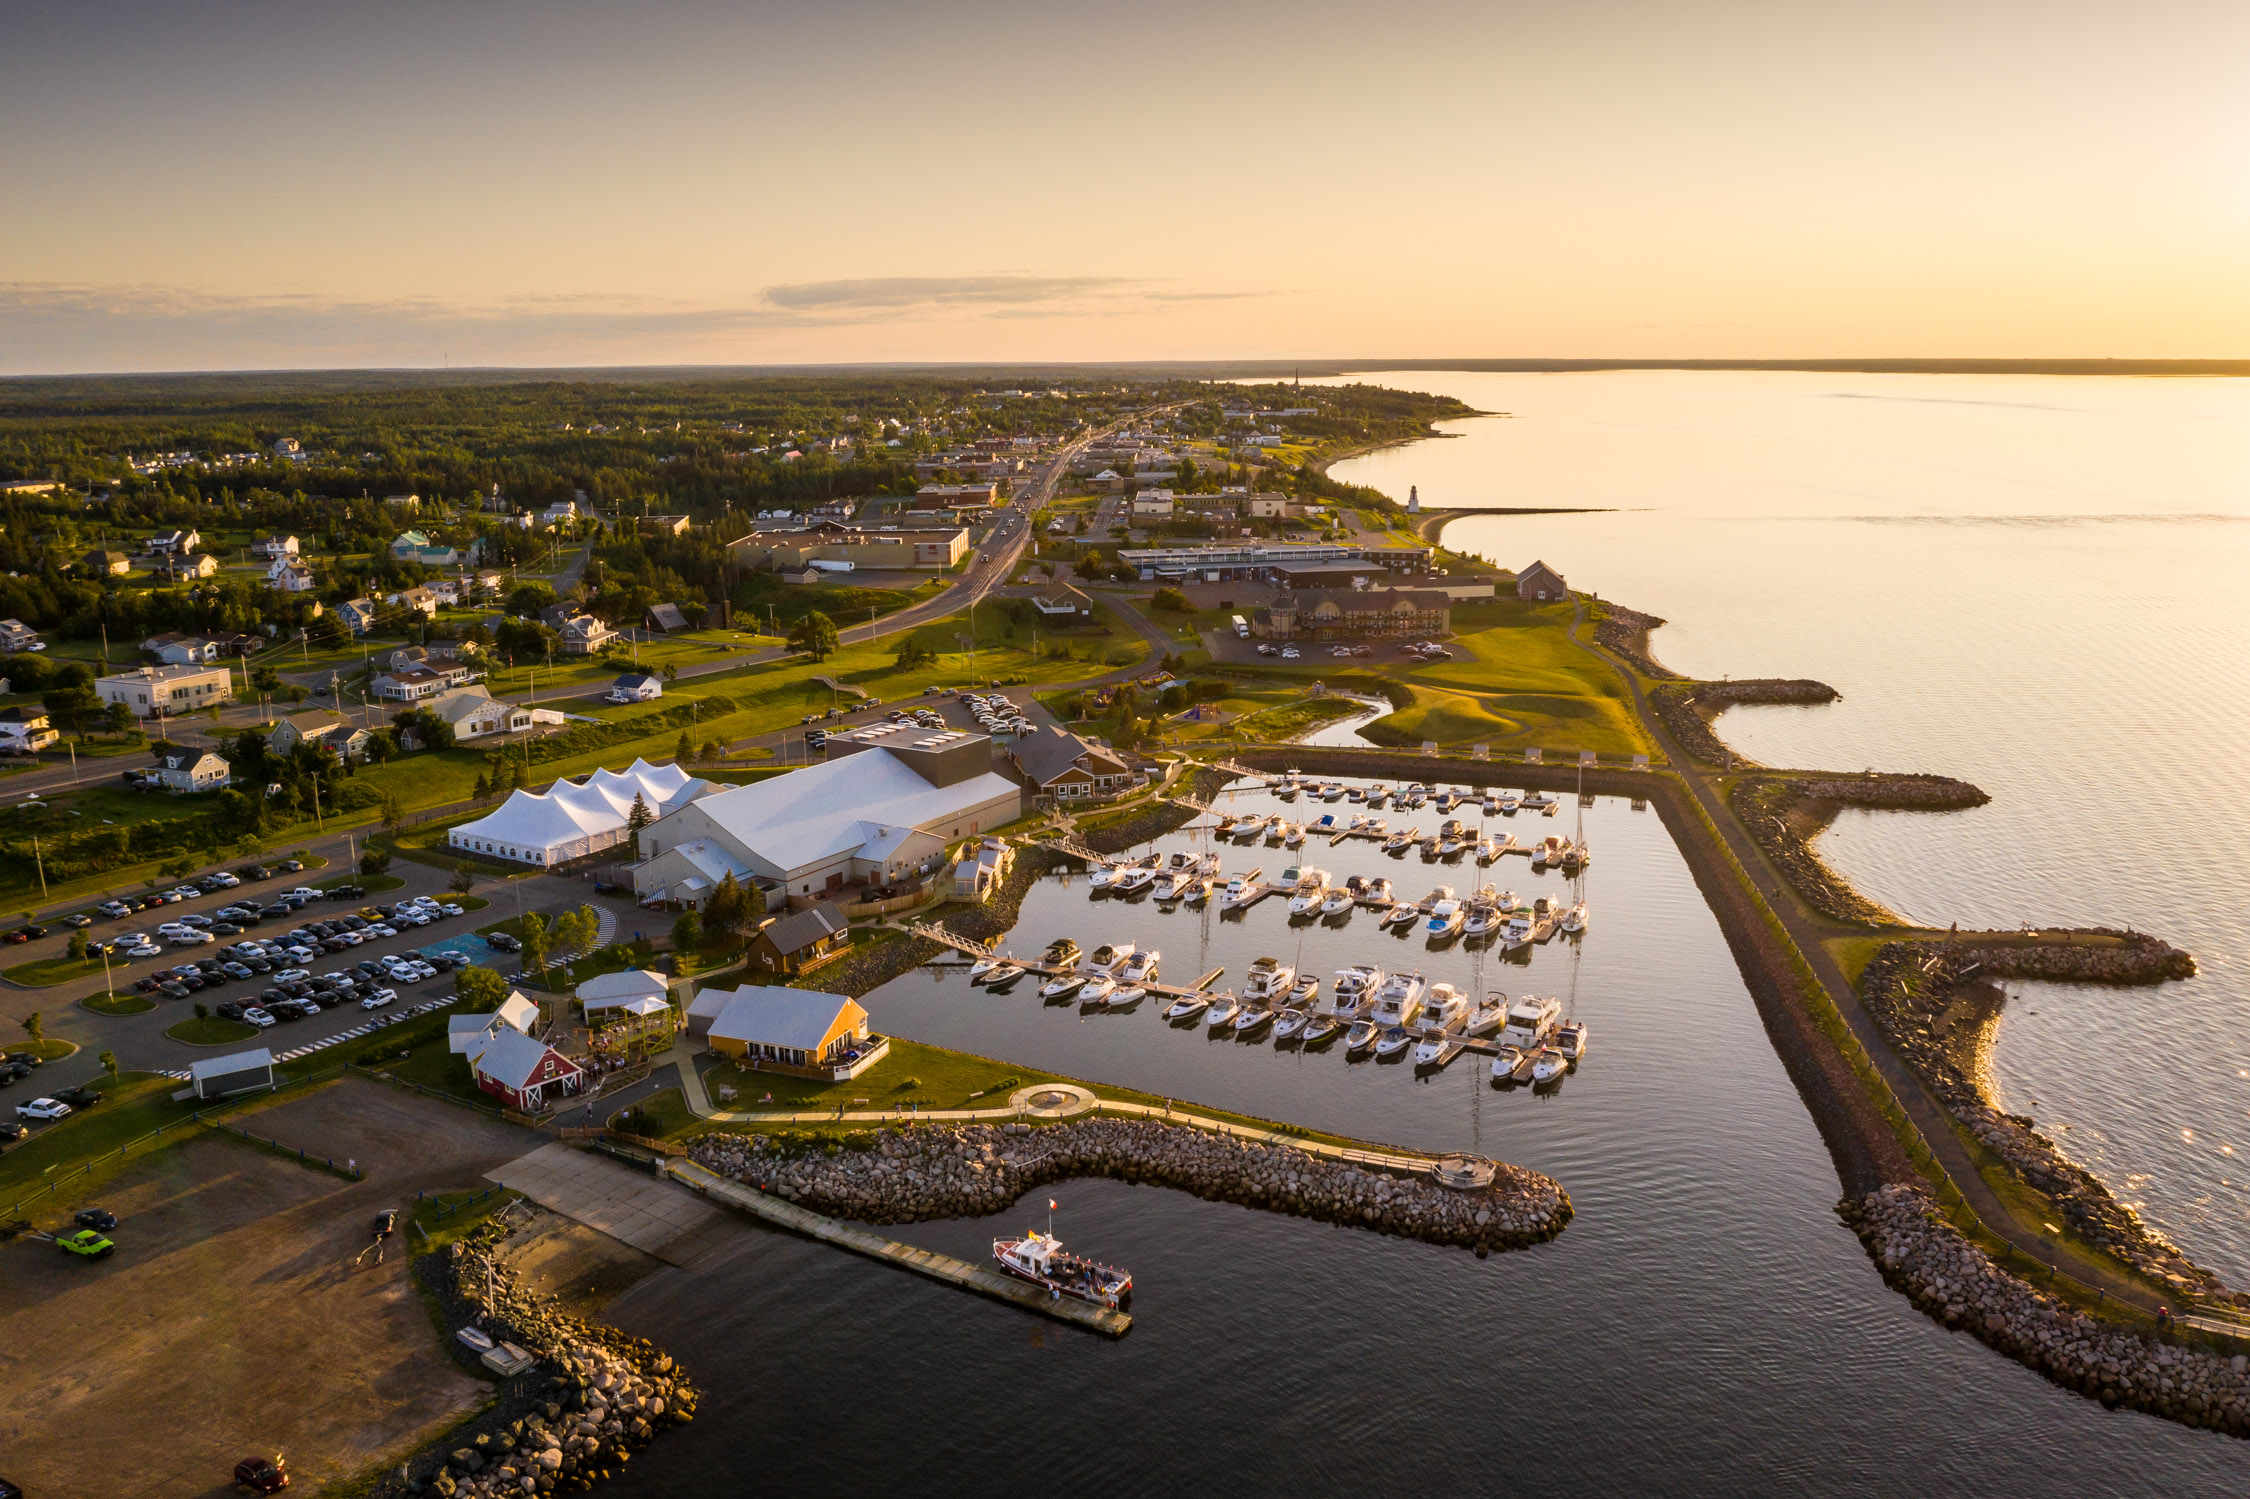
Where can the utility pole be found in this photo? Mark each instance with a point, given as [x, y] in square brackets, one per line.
[41, 864]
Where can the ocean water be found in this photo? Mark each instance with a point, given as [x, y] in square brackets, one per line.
[1705, 1326]
[2034, 583]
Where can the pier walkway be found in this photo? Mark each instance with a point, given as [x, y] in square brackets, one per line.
[925, 1262]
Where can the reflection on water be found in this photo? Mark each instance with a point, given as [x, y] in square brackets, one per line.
[2036, 584]
[1698, 1329]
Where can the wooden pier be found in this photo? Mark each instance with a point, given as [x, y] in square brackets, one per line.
[978, 1278]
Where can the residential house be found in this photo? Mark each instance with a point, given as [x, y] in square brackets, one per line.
[1058, 764]
[180, 650]
[24, 729]
[525, 1074]
[1541, 582]
[153, 690]
[560, 513]
[665, 525]
[1331, 613]
[636, 687]
[800, 940]
[273, 548]
[413, 546]
[172, 543]
[419, 600]
[583, 635]
[184, 771]
[404, 501]
[286, 447]
[474, 713]
[358, 615]
[319, 726]
[288, 575]
[106, 564]
[186, 565]
[665, 618]
[15, 636]
[798, 1031]
[469, 1035]
[408, 684]
[1108, 479]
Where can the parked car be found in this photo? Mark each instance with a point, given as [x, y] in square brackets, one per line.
[24, 1059]
[258, 1017]
[101, 1218]
[79, 1098]
[291, 866]
[11, 1131]
[78, 919]
[42, 1108]
[87, 1244]
[504, 942]
[379, 999]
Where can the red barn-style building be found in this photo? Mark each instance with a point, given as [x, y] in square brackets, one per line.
[525, 1073]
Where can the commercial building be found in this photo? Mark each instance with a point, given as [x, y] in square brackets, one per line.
[801, 1032]
[572, 820]
[1354, 613]
[1222, 562]
[169, 690]
[524, 1073]
[880, 810]
[956, 496]
[1058, 764]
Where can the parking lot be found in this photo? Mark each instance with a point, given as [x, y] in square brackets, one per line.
[232, 1318]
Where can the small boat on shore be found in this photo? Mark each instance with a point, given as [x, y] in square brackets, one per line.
[1039, 1258]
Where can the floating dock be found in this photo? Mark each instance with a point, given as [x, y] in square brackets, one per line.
[978, 1278]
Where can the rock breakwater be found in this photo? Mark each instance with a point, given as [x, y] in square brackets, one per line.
[1688, 708]
[1785, 813]
[902, 1176]
[1933, 1003]
[1931, 1262]
[565, 1425]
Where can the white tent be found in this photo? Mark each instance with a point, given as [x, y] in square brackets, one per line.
[571, 820]
[606, 991]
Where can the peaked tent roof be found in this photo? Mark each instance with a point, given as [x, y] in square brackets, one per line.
[566, 811]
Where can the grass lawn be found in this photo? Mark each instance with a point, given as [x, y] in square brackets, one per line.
[127, 1003]
[432, 1064]
[209, 1030]
[49, 1050]
[134, 1104]
[41, 972]
[1292, 719]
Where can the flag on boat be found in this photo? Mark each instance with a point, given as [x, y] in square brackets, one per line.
[1052, 1204]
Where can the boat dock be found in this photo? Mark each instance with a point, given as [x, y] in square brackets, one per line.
[978, 1278]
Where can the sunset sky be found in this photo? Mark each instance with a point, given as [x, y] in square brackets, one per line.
[270, 185]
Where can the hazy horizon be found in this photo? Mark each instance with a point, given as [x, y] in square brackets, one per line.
[265, 187]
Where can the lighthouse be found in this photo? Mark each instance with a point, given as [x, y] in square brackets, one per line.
[1413, 500]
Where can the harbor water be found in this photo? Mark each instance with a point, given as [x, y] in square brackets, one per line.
[1704, 1326]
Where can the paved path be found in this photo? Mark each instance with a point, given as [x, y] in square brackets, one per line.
[633, 1207]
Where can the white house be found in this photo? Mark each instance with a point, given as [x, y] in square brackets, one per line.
[276, 547]
[636, 687]
[468, 1035]
[474, 713]
[290, 576]
[191, 770]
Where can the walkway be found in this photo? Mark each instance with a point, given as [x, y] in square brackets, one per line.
[633, 1207]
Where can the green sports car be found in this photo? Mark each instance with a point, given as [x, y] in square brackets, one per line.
[87, 1242]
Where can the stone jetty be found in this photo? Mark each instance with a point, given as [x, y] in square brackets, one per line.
[573, 1420]
[1687, 708]
[1785, 813]
[1938, 1010]
[1927, 1259]
[899, 1176]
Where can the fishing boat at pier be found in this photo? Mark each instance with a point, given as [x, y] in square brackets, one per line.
[1039, 1258]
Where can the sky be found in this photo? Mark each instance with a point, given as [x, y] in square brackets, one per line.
[320, 185]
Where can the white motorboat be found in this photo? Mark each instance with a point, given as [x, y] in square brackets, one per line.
[1549, 1064]
[1355, 793]
[1361, 822]
[1253, 1016]
[1102, 879]
[1488, 849]
[1449, 847]
[1574, 919]
[1222, 1010]
[1397, 842]
[1376, 892]
[1195, 888]
[1105, 958]
[1268, 978]
[1445, 919]
[1336, 903]
[1324, 826]
[1483, 920]
[1240, 891]
[1490, 805]
[1038, 1258]
[1319, 1028]
[1096, 989]
[1517, 932]
[1509, 802]
[1571, 1038]
[1277, 829]
[1504, 1063]
[1186, 1005]
[1247, 830]
[1334, 793]
[1292, 836]
[1403, 913]
[1171, 885]
[1363, 1034]
[1310, 890]
[1538, 801]
[1127, 997]
[1395, 1040]
[1353, 989]
[1304, 991]
[1139, 967]
[1549, 852]
[1488, 1015]
[1061, 984]
[1228, 822]
[1291, 1024]
[1398, 999]
[1443, 1007]
[1530, 1019]
[982, 968]
[1437, 1050]
[1001, 977]
[1133, 880]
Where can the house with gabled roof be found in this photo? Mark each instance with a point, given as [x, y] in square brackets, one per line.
[800, 940]
[1539, 581]
[525, 1073]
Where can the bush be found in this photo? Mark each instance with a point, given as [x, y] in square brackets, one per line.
[1172, 599]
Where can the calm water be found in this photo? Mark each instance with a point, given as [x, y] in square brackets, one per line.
[1705, 1326]
[2035, 583]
